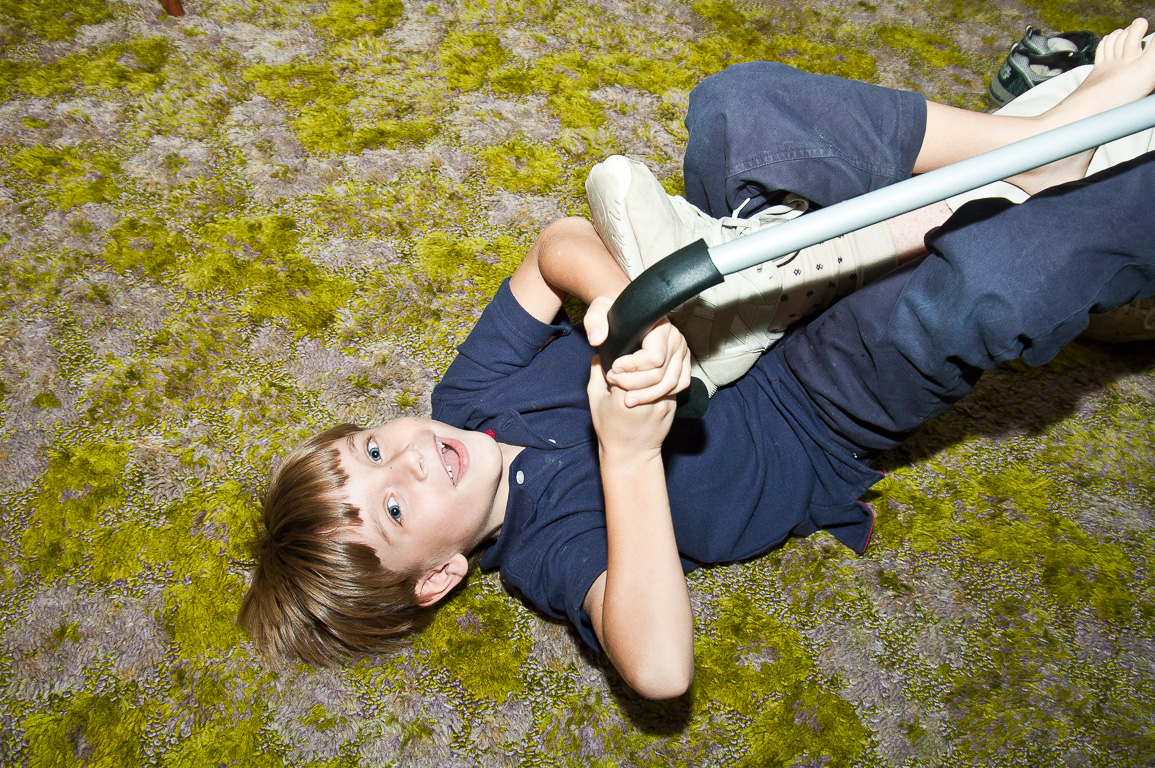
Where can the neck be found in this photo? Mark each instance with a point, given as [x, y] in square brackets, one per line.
[497, 516]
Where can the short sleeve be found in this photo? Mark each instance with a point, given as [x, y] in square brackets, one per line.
[505, 340]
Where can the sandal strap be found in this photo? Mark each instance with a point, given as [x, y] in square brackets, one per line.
[1063, 60]
[1038, 43]
[1085, 41]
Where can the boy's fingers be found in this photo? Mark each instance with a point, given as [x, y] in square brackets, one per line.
[596, 333]
[641, 369]
[652, 394]
[642, 360]
[655, 372]
[684, 379]
[674, 378]
[655, 350]
[633, 380]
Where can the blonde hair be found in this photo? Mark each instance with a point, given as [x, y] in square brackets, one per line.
[312, 595]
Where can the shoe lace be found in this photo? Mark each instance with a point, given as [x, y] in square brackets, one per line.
[732, 227]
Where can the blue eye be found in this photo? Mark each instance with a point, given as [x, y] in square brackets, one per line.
[393, 508]
[372, 449]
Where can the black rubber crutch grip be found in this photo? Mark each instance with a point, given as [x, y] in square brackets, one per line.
[660, 289]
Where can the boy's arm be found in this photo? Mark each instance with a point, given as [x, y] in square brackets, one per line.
[567, 259]
[639, 606]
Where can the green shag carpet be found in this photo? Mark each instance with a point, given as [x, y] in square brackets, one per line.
[221, 233]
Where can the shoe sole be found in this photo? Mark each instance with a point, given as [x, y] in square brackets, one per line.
[1000, 95]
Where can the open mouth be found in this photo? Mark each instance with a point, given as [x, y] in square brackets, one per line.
[454, 458]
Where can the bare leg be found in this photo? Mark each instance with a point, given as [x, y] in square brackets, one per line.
[909, 230]
[1123, 73]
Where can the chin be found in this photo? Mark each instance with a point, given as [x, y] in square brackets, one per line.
[486, 457]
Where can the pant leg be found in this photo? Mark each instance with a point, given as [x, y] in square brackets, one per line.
[1002, 281]
[761, 129]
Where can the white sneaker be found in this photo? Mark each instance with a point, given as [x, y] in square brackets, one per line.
[729, 326]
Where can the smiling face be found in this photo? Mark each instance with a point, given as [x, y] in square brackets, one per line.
[427, 493]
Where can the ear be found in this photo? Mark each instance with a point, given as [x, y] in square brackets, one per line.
[440, 582]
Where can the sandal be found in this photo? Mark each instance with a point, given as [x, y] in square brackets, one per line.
[1079, 46]
[1037, 58]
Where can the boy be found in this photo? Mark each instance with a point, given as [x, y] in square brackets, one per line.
[593, 501]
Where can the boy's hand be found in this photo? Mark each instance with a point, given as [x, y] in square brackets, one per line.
[628, 433]
[658, 369]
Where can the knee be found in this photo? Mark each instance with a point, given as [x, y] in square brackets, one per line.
[729, 92]
[728, 114]
[726, 106]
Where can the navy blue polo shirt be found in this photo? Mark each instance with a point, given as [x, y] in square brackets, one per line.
[757, 468]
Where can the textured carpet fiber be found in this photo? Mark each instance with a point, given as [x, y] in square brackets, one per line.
[223, 232]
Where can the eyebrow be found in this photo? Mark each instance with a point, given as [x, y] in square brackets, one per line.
[381, 530]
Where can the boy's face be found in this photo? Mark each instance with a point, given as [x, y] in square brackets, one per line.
[425, 491]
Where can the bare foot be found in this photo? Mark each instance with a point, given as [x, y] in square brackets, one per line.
[1124, 72]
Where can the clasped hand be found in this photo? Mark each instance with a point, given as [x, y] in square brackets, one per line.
[633, 405]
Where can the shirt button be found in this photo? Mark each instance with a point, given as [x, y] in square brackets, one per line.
[553, 441]
[520, 477]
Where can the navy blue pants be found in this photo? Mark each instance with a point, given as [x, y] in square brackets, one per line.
[1002, 281]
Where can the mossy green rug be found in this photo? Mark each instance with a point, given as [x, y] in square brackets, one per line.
[221, 233]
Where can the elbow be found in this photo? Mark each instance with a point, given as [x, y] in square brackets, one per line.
[661, 682]
[568, 226]
[549, 246]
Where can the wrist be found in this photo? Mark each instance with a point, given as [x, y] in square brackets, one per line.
[627, 459]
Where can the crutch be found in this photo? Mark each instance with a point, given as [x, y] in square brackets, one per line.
[696, 267]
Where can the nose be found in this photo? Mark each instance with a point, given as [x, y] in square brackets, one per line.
[413, 460]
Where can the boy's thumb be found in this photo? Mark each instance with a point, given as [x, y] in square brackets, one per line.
[596, 321]
[597, 331]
